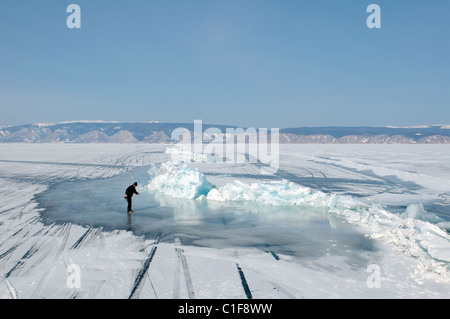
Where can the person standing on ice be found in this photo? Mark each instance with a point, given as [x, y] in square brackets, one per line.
[131, 190]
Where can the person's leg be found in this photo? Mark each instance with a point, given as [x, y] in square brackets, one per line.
[129, 204]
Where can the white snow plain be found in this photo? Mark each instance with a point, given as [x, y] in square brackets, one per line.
[349, 185]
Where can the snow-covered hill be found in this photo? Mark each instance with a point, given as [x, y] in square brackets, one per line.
[155, 132]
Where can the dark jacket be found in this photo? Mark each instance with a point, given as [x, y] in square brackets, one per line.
[130, 191]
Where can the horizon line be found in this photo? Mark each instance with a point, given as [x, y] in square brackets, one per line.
[41, 124]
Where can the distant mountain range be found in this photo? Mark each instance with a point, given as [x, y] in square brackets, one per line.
[155, 132]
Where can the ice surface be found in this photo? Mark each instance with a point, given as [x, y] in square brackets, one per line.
[324, 217]
[405, 232]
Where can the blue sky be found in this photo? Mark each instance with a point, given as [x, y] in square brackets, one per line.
[261, 63]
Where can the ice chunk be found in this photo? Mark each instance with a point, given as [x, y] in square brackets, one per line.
[277, 193]
[180, 181]
[417, 211]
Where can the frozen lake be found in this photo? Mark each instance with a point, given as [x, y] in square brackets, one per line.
[298, 232]
[361, 205]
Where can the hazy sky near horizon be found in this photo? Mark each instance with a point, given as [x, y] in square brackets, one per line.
[261, 63]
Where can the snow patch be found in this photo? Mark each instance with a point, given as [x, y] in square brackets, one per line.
[180, 154]
[445, 197]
